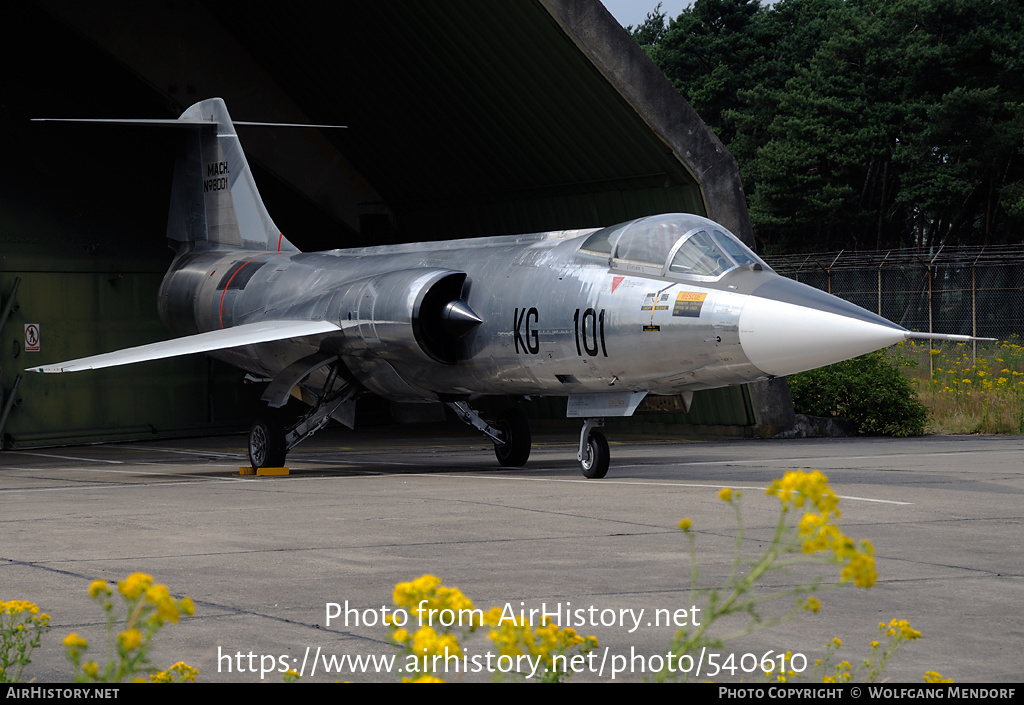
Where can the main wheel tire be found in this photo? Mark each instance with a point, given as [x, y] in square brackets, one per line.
[267, 447]
[516, 428]
[595, 463]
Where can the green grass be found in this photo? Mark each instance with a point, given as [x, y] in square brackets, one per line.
[966, 391]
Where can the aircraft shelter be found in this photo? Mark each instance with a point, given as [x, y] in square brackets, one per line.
[462, 119]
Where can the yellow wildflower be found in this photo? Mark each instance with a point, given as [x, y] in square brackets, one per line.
[187, 672]
[96, 587]
[166, 608]
[797, 487]
[426, 593]
[810, 524]
[812, 604]
[427, 642]
[685, 524]
[900, 628]
[134, 585]
[131, 639]
[509, 637]
[725, 495]
[409, 594]
[157, 593]
[861, 570]
[493, 616]
[180, 672]
[16, 606]
[73, 641]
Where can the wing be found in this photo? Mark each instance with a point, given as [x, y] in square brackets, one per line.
[249, 334]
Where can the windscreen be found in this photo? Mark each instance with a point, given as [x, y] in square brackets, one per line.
[675, 244]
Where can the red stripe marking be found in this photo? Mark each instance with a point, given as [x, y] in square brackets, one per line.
[220, 308]
[280, 236]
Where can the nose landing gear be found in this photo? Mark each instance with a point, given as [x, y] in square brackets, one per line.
[593, 454]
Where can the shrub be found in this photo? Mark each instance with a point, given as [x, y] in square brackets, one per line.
[869, 390]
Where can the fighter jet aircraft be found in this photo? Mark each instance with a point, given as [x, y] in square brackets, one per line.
[667, 304]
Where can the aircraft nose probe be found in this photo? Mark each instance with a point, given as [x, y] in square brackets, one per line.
[787, 327]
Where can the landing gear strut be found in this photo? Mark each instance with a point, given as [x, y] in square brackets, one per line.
[510, 433]
[269, 441]
[593, 454]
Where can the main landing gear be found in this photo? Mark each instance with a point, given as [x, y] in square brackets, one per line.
[267, 445]
[593, 454]
[510, 432]
[270, 441]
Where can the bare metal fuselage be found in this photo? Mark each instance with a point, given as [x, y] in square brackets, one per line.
[555, 322]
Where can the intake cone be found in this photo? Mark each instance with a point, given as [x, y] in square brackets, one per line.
[458, 318]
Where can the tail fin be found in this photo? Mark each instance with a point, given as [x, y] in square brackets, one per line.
[214, 197]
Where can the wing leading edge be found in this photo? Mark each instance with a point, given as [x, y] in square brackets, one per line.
[249, 334]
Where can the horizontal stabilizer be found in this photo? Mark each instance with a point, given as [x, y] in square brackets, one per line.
[192, 122]
[249, 334]
[214, 198]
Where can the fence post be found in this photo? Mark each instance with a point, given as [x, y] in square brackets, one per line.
[828, 272]
[880, 265]
[879, 290]
[974, 307]
[931, 364]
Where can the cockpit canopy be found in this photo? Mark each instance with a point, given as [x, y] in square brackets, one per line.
[678, 245]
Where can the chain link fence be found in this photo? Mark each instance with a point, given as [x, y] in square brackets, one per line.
[975, 291]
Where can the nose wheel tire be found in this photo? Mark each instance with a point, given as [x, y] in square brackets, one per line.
[594, 463]
[515, 428]
[267, 447]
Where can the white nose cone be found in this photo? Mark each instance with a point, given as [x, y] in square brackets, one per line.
[781, 338]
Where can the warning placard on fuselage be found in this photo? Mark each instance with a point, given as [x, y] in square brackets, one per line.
[688, 304]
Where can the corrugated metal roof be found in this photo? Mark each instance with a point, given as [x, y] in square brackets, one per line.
[469, 117]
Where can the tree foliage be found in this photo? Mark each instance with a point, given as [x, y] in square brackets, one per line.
[860, 124]
[869, 390]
